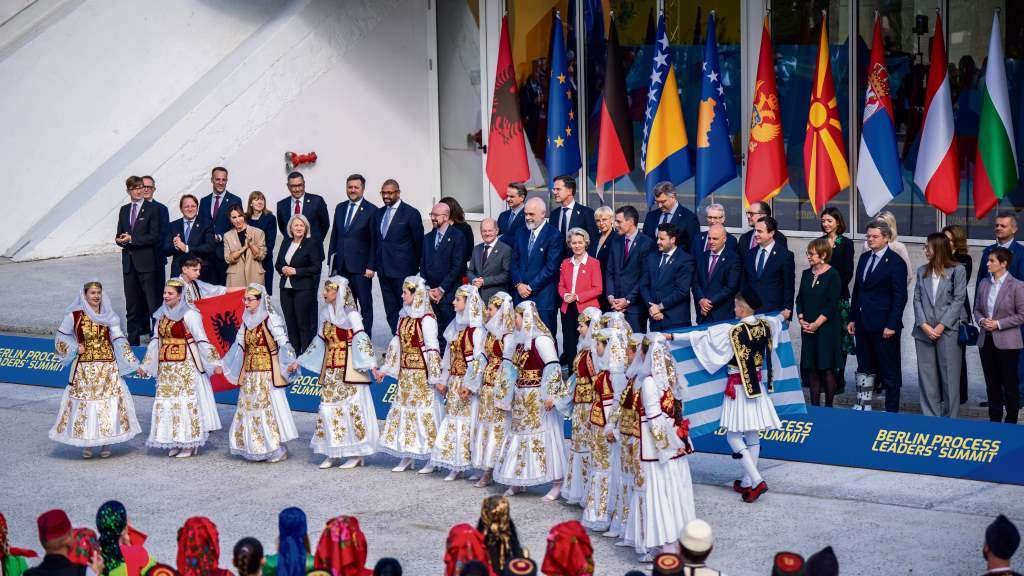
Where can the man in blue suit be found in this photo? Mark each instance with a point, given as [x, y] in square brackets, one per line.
[713, 214]
[351, 253]
[770, 270]
[717, 279]
[669, 278]
[569, 214]
[398, 245]
[213, 211]
[1006, 231]
[443, 265]
[670, 210]
[755, 212]
[311, 206]
[626, 261]
[876, 318]
[511, 221]
[536, 258]
[188, 237]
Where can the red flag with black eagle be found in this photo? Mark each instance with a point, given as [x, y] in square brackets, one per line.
[506, 144]
[222, 316]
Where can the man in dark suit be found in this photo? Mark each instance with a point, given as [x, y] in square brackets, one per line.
[148, 190]
[57, 538]
[351, 253]
[569, 214]
[188, 237]
[536, 261]
[876, 318]
[398, 246]
[138, 231]
[669, 278]
[213, 210]
[670, 210]
[490, 262]
[770, 270]
[625, 274]
[713, 214]
[1006, 232]
[755, 213]
[717, 280]
[511, 221]
[443, 265]
[311, 206]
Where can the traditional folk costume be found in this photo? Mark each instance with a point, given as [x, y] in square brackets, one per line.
[97, 409]
[258, 364]
[569, 552]
[12, 560]
[119, 559]
[197, 289]
[492, 419]
[465, 544]
[346, 422]
[413, 359]
[609, 361]
[576, 405]
[462, 370]
[199, 548]
[182, 359]
[619, 492]
[499, 531]
[631, 505]
[342, 548]
[534, 450]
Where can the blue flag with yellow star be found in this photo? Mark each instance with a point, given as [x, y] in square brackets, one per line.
[715, 162]
[563, 145]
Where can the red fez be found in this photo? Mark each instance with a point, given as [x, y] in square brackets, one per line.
[53, 525]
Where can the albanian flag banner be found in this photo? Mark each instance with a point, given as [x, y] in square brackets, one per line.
[222, 315]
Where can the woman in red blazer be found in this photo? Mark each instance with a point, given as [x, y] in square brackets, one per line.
[580, 294]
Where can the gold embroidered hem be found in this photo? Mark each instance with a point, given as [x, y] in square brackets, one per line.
[534, 450]
[263, 421]
[577, 473]
[411, 425]
[452, 449]
[346, 422]
[177, 421]
[596, 502]
[96, 409]
[490, 430]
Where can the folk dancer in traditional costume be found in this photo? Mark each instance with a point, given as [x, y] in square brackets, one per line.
[194, 288]
[461, 372]
[342, 354]
[609, 361]
[495, 393]
[577, 404]
[258, 364]
[631, 473]
[182, 359]
[97, 409]
[747, 409]
[413, 359]
[534, 450]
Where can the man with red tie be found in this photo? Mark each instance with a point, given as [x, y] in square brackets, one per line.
[626, 268]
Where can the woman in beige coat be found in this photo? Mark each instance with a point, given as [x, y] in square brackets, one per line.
[245, 247]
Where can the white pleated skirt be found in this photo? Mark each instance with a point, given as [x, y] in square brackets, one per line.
[99, 412]
[453, 447]
[668, 501]
[743, 414]
[184, 411]
[578, 469]
[489, 432]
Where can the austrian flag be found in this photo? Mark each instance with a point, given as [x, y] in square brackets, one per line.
[937, 172]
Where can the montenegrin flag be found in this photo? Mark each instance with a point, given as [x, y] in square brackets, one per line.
[506, 143]
[995, 169]
[766, 151]
[665, 155]
[938, 167]
[825, 166]
[879, 174]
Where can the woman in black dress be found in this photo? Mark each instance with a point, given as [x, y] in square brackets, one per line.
[817, 309]
[958, 242]
[257, 215]
[833, 226]
[600, 248]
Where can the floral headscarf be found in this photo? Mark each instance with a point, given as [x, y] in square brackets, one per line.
[499, 532]
[85, 543]
[342, 548]
[199, 548]
[569, 551]
[111, 520]
[292, 541]
[5, 547]
[464, 545]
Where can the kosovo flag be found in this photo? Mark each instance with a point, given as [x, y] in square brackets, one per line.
[563, 145]
[715, 162]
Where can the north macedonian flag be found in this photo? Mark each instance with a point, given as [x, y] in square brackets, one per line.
[825, 166]
[766, 151]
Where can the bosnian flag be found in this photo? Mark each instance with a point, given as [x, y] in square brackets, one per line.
[937, 172]
[879, 178]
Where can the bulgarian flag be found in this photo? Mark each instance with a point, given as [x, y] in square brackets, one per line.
[937, 172]
[995, 168]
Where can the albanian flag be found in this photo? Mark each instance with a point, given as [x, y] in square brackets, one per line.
[506, 144]
[222, 316]
[615, 142]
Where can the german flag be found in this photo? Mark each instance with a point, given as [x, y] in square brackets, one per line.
[615, 141]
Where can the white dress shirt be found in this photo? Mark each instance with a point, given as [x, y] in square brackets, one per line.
[292, 247]
[993, 294]
[576, 265]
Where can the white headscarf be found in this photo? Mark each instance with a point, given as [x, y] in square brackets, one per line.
[613, 359]
[532, 324]
[105, 317]
[504, 322]
[420, 306]
[471, 315]
[176, 313]
[344, 303]
[636, 367]
[266, 309]
[617, 321]
[593, 319]
[657, 361]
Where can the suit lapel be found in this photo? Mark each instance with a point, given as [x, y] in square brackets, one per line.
[1000, 296]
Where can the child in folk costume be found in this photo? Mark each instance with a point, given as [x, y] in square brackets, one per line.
[96, 409]
[747, 408]
[462, 369]
[577, 407]
[494, 396]
[258, 364]
[609, 361]
[413, 359]
[194, 288]
[534, 450]
[182, 359]
[346, 422]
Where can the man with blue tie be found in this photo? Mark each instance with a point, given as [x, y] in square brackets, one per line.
[626, 268]
[187, 236]
[876, 317]
[511, 221]
[536, 261]
[443, 265]
[755, 212]
[670, 210]
[669, 278]
[351, 253]
[717, 280]
[770, 270]
[569, 214]
[398, 242]
[213, 210]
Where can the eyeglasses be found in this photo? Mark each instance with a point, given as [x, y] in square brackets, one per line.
[296, 186]
[250, 299]
[754, 213]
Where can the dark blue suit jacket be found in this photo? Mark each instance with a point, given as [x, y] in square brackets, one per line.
[353, 249]
[683, 218]
[444, 266]
[623, 278]
[314, 209]
[721, 287]
[398, 254]
[1016, 268]
[200, 243]
[669, 285]
[221, 223]
[509, 228]
[878, 301]
[743, 244]
[702, 238]
[539, 268]
[581, 217]
[165, 220]
[775, 286]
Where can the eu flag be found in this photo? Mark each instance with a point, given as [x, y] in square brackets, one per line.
[715, 162]
[563, 145]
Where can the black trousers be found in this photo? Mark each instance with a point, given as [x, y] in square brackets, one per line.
[391, 294]
[298, 307]
[141, 300]
[445, 314]
[1000, 369]
[362, 289]
[881, 357]
[570, 334]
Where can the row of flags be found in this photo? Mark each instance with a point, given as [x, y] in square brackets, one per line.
[666, 153]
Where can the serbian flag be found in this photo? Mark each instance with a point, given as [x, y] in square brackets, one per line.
[506, 144]
[766, 152]
[938, 167]
[615, 141]
[222, 315]
[825, 164]
[995, 170]
[879, 175]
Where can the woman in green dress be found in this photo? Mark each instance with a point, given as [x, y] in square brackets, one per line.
[817, 308]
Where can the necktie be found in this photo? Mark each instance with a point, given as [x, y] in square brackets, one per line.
[487, 252]
[437, 239]
[385, 223]
[188, 230]
[216, 205]
[714, 262]
[348, 215]
[871, 265]
[533, 238]
[298, 206]
[564, 226]
[135, 214]
[664, 258]
[664, 218]
[760, 261]
[625, 255]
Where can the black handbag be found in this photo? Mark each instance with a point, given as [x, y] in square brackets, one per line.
[968, 335]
